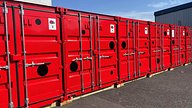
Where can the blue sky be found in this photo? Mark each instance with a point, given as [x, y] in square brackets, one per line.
[139, 9]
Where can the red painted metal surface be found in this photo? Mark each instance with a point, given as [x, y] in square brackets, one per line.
[133, 44]
[142, 48]
[160, 47]
[175, 46]
[166, 46]
[8, 85]
[126, 48]
[43, 56]
[79, 59]
[188, 44]
[156, 47]
[35, 56]
[50, 54]
[92, 63]
[182, 44]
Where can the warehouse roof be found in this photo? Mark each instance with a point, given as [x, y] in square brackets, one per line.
[173, 9]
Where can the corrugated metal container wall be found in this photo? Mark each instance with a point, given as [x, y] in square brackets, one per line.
[181, 17]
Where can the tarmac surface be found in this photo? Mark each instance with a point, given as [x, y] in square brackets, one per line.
[172, 89]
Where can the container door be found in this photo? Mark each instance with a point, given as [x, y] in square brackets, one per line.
[174, 46]
[126, 55]
[8, 73]
[40, 70]
[107, 51]
[182, 36]
[166, 47]
[142, 48]
[78, 53]
[156, 47]
[188, 45]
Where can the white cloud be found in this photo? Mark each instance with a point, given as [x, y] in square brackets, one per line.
[137, 15]
[167, 4]
[149, 15]
[158, 5]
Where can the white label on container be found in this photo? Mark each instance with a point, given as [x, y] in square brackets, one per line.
[173, 33]
[146, 30]
[52, 24]
[183, 33]
[112, 28]
[168, 32]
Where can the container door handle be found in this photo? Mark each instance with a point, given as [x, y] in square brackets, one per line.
[175, 48]
[4, 67]
[37, 64]
[87, 58]
[165, 50]
[141, 53]
[104, 56]
[128, 54]
[156, 51]
[77, 59]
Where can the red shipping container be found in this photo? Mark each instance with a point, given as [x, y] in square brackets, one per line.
[160, 47]
[178, 45]
[126, 49]
[141, 29]
[49, 54]
[175, 48]
[166, 46]
[35, 58]
[92, 63]
[156, 36]
[188, 42]
[133, 39]
[182, 44]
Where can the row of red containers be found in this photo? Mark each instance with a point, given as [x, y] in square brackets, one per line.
[50, 54]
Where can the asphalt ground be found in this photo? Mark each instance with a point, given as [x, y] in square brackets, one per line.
[172, 89]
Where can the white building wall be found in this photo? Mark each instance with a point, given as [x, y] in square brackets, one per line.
[43, 2]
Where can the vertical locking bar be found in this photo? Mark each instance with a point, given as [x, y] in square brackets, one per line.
[11, 105]
[138, 33]
[127, 28]
[99, 48]
[163, 39]
[179, 42]
[91, 51]
[178, 39]
[174, 45]
[81, 53]
[190, 43]
[156, 28]
[189, 34]
[134, 50]
[160, 41]
[24, 56]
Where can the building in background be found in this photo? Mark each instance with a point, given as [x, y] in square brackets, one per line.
[43, 2]
[180, 15]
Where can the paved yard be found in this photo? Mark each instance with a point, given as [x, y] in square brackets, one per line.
[168, 90]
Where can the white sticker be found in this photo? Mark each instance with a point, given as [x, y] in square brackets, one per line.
[168, 32]
[146, 30]
[112, 28]
[173, 33]
[52, 24]
[183, 33]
